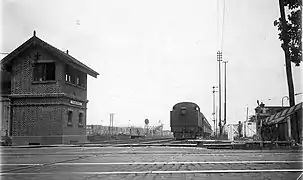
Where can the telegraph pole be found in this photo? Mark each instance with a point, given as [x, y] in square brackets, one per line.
[219, 59]
[217, 120]
[214, 109]
[244, 125]
[111, 123]
[225, 92]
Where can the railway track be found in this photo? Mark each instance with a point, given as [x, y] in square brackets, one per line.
[142, 162]
[158, 168]
[109, 143]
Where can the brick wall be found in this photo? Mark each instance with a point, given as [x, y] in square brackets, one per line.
[22, 74]
[74, 128]
[37, 120]
[5, 115]
[75, 91]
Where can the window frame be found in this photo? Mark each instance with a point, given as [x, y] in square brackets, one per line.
[75, 77]
[80, 117]
[43, 77]
[69, 118]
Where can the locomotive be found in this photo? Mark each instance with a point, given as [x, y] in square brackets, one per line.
[187, 122]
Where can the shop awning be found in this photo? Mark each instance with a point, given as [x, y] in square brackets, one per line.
[280, 116]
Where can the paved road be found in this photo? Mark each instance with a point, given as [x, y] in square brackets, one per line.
[148, 163]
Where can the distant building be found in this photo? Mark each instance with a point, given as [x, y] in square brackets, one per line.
[277, 122]
[288, 123]
[262, 112]
[132, 130]
[45, 95]
[106, 130]
[265, 111]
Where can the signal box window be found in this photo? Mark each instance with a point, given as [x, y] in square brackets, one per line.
[67, 78]
[77, 80]
[44, 72]
[70, 118]
[74, 76]
[80, 119]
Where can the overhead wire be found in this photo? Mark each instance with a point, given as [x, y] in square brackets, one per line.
[218, 25]
[222, 33]
[220, 36]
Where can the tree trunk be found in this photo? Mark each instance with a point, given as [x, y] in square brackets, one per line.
[290, 83]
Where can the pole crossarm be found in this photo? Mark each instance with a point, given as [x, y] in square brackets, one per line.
[219, 56]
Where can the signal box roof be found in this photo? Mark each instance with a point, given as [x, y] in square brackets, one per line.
[35, 41]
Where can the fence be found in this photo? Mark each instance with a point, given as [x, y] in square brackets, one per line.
[113, 131]
[247, 129]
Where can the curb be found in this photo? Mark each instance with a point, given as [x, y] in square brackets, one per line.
[39, 146]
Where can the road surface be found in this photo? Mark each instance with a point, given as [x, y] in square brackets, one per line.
[83, 163]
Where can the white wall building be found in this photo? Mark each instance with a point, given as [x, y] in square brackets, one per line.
[248, 130]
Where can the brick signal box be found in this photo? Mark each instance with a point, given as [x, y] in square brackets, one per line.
[47, 93]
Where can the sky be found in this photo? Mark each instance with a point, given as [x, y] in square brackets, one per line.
[153, 54]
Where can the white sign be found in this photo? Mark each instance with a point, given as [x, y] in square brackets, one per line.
[76, 103]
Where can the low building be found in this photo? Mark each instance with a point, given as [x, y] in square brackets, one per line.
[47, 94]
[285, 125]
[262, 112]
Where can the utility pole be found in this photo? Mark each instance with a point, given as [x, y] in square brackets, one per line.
[225, 93]
[111, 123]
[244, 125]
[130, 128]
[217, 120]
[219, 59]
[214, 109]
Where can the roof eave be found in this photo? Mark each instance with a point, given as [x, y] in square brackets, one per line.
[54, 50]
[16, 51]
[93, 74]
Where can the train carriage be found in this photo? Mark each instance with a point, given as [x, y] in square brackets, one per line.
[187, 121]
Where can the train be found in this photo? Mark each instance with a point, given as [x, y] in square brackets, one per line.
[188, 122]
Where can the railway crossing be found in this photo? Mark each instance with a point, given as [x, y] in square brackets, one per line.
[148, 162]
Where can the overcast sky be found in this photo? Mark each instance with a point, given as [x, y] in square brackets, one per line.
[154, 54]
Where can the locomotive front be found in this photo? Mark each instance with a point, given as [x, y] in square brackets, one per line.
[186, 120]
